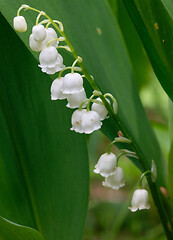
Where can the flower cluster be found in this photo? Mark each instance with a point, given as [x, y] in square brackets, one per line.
[107, 167]
[90, 112]
[45, 40]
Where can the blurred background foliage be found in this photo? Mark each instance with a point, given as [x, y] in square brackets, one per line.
[108, 209]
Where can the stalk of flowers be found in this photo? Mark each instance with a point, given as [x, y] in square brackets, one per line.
[85, 119]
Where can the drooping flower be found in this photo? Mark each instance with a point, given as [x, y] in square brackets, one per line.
[140, 200]
[73, 83]
[50, 35]
[106, 165]
[116, 180]
[35, 45]
[76, 120]
[50, 60]
[56, 89]
[75, 100]
[20, 24]
[100, 109]
[39, 33]
[90, 122]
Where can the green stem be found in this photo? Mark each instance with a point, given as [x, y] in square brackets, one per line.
[116, 140]
[89, 101]
[142, 176]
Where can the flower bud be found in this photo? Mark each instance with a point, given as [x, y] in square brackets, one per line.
[140, 200]
[90, 122]
[34, 45]
[50, 61]
[56, 89]
[75, 100]
[115, 181]
[20, 24]
[100, 109]
[50, 35]
[39, 33]
[106, 165]
[73, 83]
[77, 120]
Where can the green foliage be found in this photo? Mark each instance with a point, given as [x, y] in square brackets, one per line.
[43, 165]
[170, 158]
[139, 61]
[11, 231]
[153, 23]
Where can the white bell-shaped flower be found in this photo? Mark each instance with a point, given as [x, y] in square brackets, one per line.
[75, 100]
[76, 120]
[100, 109]
[58, 67]
[39, 32]
[50, 60]
[73, 83]
[90, 122]
[20, 24]
[35, 45]
[56, 89]
[50, 35]
[115, 181]
[106, 165]
[140, 200]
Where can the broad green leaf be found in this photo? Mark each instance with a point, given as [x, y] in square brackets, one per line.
[170, 169]
[154, 24]
[139, 61]
[12, 231]
[43, 165]
[170, 118]
[170, 159]
[94, 33]
[169, 6]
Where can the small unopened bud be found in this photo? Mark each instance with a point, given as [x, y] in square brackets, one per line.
[20, 24]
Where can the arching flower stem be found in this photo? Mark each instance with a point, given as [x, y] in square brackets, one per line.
[148, 172]
[118, 139]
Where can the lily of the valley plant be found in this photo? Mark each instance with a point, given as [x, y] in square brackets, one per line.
[89, 111]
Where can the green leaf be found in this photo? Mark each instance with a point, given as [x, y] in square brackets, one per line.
[12, 231]
[43, 165]
[95, 35]
[154, 24]
[170, 169]
[139, 61]
[170, 158]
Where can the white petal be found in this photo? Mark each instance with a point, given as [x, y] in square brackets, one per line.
[73, 83]
[56, 89]
[75, 100]
[91, 122]
[76, 120]
[106, 165]
[100, 109]
[140, 200]
[48, 57]
[50, 35]
[39, 33]
[34, 45]
[20, 24]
